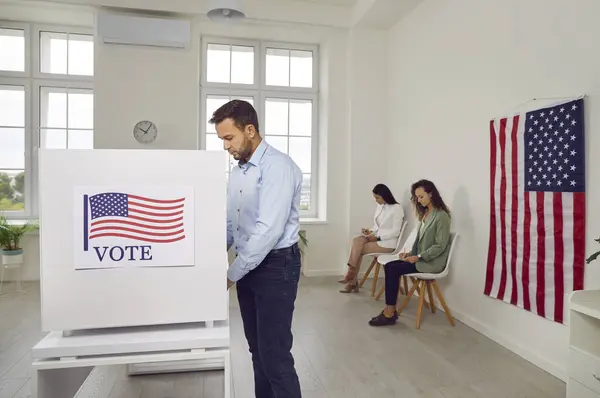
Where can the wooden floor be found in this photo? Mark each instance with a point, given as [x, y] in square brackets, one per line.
[337, 355]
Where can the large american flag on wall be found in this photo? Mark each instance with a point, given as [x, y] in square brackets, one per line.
[537, 208]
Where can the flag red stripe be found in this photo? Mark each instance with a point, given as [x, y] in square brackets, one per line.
[155, 200]
[150, 240]
[578, 239]
[146, 206]
[559, 255]
[136, 231]
[153, 214]
[144, 219]
[526, 252]
[136, 224]
[489, 278]
[502, 288]
[514, 209]
[541, 256]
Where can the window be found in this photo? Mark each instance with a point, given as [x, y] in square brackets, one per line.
[12, 148]
[46, 100]
[66, 118]
[280, 80]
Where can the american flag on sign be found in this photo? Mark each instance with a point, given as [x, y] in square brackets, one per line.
[537, 223]
[121, 215]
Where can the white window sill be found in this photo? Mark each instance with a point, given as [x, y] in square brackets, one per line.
[313, 221]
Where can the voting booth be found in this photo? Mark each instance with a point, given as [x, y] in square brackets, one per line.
[132, 255]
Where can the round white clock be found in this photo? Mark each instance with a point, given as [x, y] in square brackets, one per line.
[145, 132]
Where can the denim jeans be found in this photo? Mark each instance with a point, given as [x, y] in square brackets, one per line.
[266, 296]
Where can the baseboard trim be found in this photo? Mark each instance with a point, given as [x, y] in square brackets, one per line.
[321, 272]
[553, 368]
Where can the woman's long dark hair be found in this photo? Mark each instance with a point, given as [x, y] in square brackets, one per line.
[436, 198]
[385, 193]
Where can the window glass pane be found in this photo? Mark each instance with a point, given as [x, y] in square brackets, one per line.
[300, 117]
[300, 152]
[305, 192]
[53, 52]
[278, 67]
[53, 138]
[81, 139]
[276, 116]
[12, 148]
[242, 65]
[12, 50]
[12, 190]
[12, 106]
[53, 107]
[213, 102]
[81, 110]
[62, 53]
[280, 143]
[301, 68]
[214, 143]
[81, 55]
[218, 66]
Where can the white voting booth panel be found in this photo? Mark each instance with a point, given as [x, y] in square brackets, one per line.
[131, 238]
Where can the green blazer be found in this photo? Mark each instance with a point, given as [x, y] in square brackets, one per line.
[434, 243]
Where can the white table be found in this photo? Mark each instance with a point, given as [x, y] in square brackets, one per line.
[75, 365]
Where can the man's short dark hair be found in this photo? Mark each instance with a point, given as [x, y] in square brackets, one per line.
[242, 114]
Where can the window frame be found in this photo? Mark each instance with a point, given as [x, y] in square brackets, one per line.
[28, 153]
[260, 91]
[33, 79]
[291, 46]
[230, 42]
[26, 28]
[37, 47]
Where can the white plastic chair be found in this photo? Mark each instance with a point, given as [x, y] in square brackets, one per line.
[375, 262]
[425, 281]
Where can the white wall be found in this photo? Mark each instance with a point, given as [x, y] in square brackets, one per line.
[134, 83]
[454, 66]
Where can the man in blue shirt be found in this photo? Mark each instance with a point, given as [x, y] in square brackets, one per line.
[263, 222]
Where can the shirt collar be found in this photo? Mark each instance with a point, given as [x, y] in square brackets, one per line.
[258, 153]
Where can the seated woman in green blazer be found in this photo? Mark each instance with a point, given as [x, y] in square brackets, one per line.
[429, 252]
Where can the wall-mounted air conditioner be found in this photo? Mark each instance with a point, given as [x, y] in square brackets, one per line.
[114, 28]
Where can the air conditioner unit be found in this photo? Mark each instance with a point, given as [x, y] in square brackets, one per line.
[113, 28]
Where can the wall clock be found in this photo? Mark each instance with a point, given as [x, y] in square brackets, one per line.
[145, 132]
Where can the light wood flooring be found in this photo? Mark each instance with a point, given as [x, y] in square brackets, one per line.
[337, 355]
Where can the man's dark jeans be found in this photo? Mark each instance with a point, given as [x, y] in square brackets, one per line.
[266, 296]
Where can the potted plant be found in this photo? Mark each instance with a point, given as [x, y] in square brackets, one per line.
[593, 256]
[303, 243]
[10, 240]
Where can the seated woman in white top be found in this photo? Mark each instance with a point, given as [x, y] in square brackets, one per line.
[381, 238]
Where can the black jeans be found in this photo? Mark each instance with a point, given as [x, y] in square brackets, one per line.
[266, 296]
[393, 271]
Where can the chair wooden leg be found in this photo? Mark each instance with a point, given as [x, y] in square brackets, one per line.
[380, 293]
[430, 295]
[442, 302]
[421, 291]
[421, 302]
[375, 277]
[407, 298]
[405, 283]
[364, 278]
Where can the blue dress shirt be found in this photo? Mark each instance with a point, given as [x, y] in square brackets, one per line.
[263, 208]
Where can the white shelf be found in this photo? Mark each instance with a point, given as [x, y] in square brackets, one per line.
[133, 340]
[586, 302]
[584, 345]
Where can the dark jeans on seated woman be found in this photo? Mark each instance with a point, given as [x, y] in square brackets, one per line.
[393, 271]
